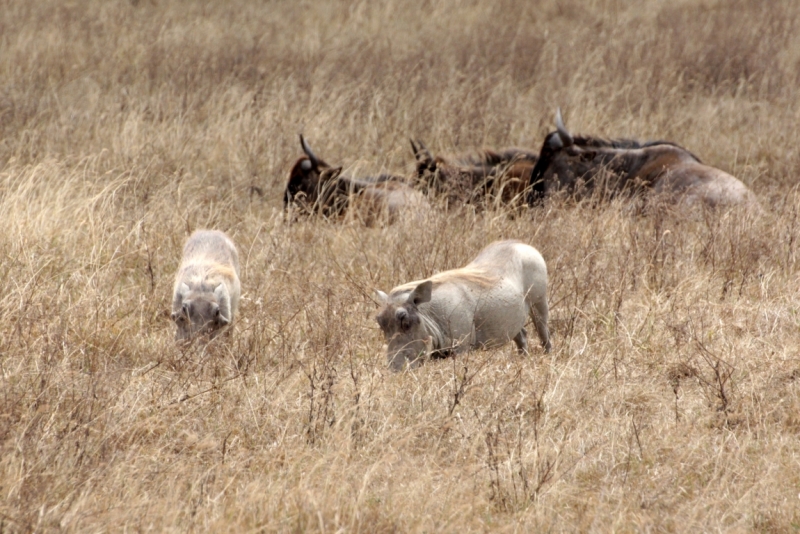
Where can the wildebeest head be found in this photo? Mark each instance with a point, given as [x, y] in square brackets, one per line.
[407, 339]
[427, 165]
[549, 162]
[202, 310]
[459, 180]
[308, 179]
[474, 176]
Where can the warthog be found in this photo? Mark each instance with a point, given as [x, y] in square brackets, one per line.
[206, 293]
[475, 177]
[317, 187]
[484, 304]
[660, 167]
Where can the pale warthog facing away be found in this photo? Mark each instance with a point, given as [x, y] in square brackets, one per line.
[484, 304]
[207, 289]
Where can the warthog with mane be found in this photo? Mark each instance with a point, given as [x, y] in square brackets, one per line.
[207, 289]
[316, 187]
[484, 304]
[475, 177]
[576, 163]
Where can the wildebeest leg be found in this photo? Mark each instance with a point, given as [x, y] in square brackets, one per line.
[521, 341]
[539, 316]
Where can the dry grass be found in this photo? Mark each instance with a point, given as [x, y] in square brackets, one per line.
[671, 401]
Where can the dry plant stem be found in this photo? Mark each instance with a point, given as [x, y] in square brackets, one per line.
[669, 402]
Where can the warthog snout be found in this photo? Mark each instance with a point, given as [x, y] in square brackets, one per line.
[199, 316]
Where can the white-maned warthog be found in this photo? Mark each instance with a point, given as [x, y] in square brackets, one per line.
[207, 289]
[484, 304]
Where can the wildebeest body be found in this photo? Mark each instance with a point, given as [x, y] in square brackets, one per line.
[484, 304]
[659, 167]
[475, 177]
[317, 187]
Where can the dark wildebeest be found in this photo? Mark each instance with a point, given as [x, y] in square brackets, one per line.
[317, 187]
[579, 164]
[476, 177]
[484, 304]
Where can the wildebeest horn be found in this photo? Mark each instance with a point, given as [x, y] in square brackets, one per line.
[413, 147]
[421, 150]
[565, 136]
[308, 151]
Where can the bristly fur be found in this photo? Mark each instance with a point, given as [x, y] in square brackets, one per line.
[479, 277]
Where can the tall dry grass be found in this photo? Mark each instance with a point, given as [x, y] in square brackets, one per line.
[671, 401]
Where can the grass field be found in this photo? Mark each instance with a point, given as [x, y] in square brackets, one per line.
[670, 401]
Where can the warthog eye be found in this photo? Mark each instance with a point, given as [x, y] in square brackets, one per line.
[404, 319]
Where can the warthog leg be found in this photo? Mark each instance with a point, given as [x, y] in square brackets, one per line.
[521, 341]
[539, 315]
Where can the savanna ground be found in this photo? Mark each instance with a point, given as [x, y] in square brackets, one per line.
[671, 400]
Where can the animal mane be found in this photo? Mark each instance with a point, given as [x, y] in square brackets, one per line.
[476, 159]
[480, 277]
[206, 275]
[597, 142]
[623, 143]
[488, 157]
[219, 270]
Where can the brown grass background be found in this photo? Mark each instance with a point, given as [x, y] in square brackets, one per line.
[671, 400]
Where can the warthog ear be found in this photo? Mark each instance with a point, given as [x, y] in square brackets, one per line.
[382, 297]
[421, 293]
[221, 292]
[306, 165]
